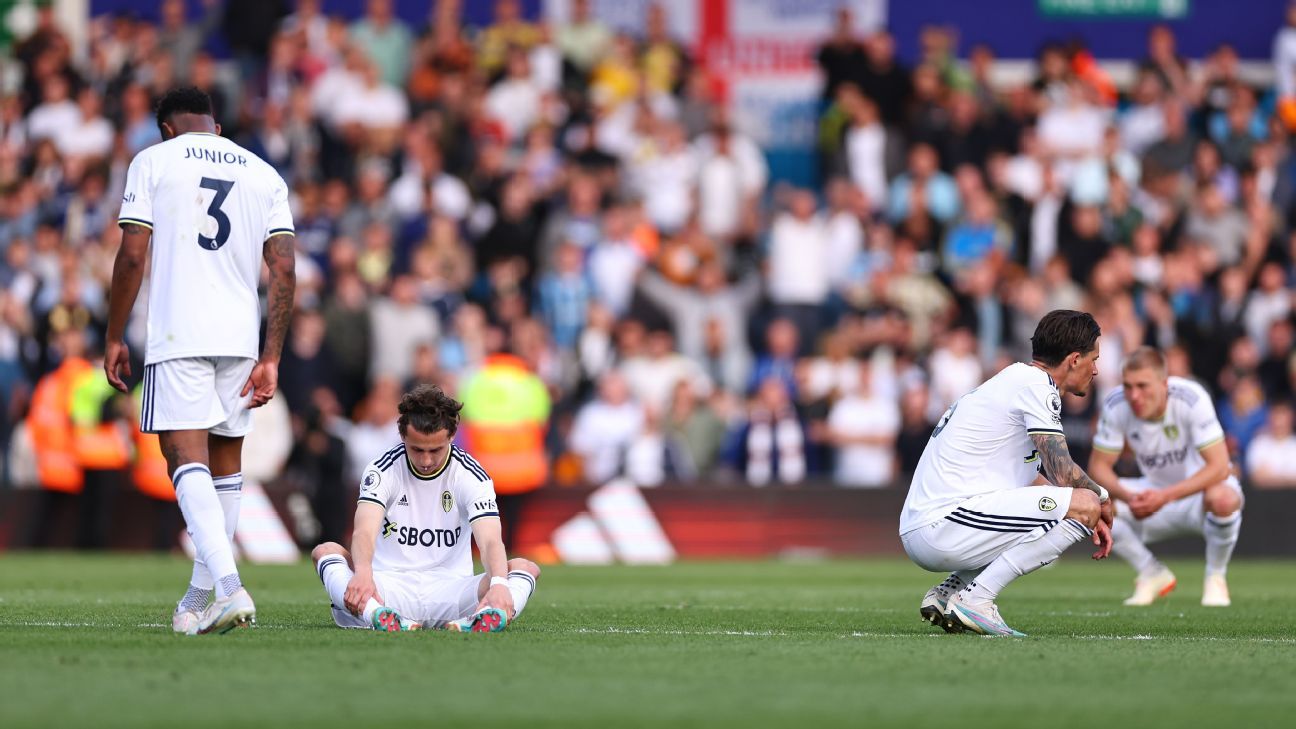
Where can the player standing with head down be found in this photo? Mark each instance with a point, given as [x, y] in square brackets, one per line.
[970, 510]
[410, 564]
[1187, 485]
[213, 211]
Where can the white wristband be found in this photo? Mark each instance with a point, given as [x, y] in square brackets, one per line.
[499, 581]
[1103, 496]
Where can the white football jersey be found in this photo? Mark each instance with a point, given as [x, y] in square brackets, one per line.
[982, 444]
[1168, 450]
[211, 205]
[428, 520]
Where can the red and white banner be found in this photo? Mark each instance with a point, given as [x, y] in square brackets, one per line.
[762, 56]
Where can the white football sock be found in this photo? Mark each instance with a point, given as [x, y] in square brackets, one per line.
[336, 574]
[206, 522]
[521, 585]
[956, 581]
[1128, 545]
[195, 599]
[1221, 534]
[229, 489]
[1024, 559]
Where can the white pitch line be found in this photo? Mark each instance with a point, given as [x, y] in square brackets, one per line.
[650, 631]
[613, 630]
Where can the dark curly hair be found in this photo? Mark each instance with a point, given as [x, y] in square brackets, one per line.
[183, 100]
[1062, 332]
[428, 410]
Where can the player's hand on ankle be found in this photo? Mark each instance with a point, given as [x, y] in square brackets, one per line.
[359, 591]
[498, 596]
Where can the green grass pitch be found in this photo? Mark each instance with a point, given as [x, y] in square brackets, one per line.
[86, 641]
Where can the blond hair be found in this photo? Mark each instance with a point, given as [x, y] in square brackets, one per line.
[1145, 358]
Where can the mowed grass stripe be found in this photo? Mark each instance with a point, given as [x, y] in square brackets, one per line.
[85, 641]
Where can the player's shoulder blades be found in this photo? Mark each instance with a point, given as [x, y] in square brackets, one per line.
[468, 464]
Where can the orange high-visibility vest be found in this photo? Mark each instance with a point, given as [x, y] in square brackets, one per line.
[513, 455]
[50, 425]
[99, 445]
[150, 469]
[149, 472]
[506, 411]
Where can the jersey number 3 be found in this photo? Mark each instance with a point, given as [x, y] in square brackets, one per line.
[222, 189]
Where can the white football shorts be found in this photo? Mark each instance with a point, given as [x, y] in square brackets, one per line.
[1175, 519]
[983, 527]
[197, 393]
[430, 598]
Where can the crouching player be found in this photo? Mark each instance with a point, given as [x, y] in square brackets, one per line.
[410, 566]
[1187, 486]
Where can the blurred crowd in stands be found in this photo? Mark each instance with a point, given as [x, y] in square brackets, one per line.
[566, 228]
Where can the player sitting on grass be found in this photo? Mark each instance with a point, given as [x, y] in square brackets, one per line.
[968, 512]
[410, 566]
[1187, 487]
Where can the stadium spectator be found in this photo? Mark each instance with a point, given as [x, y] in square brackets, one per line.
[605, 427]
[885, 79]
[1277, 369]
[583, 39]
[1244, 413]
[725, 194]
[952, 367]
[616, 261]
[798, 278]
[510, 30]
[307, 365]
[375, 425]
[922, 182]
[514, 100]
[769, 446]
[1271, 456]
[696, 429]
[90, 136]
[863, 426]
[181, 38]
[841, 56]
[56, 112]
[451, 195]
[915, 429]
[872, 152]
[386, 40]
[709, 319]
[503, 422]
[400, 325]
[654, 375]
[317, 465]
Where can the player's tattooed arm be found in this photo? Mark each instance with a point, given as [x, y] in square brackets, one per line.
[280, 257]
[1059, 465]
